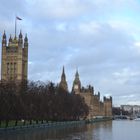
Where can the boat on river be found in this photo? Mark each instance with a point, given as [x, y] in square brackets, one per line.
[137, 119]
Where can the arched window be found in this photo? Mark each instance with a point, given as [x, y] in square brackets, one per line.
[8, 68]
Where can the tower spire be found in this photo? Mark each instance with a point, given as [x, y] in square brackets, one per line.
[26, 39]
[4, 35]
[10, 39]
[63, 82]
[63, 77]
[63, 69]
[20, 34]
[77, 74]
[20, 39]
[4, 41]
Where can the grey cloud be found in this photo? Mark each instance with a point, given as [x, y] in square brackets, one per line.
[11, 9]
[73, 9]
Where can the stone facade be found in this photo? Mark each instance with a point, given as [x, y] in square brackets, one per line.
[14, 60]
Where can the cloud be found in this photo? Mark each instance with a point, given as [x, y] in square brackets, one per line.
[72, 9]
[10, 9]
[128, 77]
[59, 8]
[98, 50]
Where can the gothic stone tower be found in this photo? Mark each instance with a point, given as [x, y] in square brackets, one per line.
[76, 84]
[14, 61]
[108, 106]
[63, 82]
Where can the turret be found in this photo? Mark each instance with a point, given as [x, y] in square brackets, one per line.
[25, 41]
[111, 98]
[92, 88]
[4, 41]
[20, 40]
[10, 40]
[99, 94]
[108, 106]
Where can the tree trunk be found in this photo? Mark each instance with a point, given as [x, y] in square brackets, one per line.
[16, 122]
[24, 122]
[36, 121]
[30, 122]
[42, 121]
[7, 122]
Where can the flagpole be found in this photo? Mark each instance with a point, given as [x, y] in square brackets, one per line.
[17, 18]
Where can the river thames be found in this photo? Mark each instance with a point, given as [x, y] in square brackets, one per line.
[111, 130]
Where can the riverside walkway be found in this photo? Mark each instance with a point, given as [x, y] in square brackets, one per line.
[53, 124]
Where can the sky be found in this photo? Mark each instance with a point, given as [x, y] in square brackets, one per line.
[100, 38]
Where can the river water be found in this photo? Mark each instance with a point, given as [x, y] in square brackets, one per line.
[111, 130]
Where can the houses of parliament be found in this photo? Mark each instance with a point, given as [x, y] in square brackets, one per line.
[96, 106]
[14, 67]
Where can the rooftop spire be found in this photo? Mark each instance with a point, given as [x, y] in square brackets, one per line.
[77, 74]
[4, 35]
[20, 35]
[63, 70]
[10, 39]
[63, 82]
[26, 39]
[63, 77]
[4, 41]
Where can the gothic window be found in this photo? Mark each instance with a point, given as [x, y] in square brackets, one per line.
[15, 67]
[8, 68]
[11, 68]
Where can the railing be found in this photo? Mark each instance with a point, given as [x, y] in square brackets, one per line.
[43, 125]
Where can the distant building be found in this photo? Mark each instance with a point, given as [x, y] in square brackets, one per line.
[136, 109]
[96, 107]
[14, 58]
[132, 109]
[128, 108]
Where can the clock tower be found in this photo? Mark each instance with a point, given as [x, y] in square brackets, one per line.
[76, 84]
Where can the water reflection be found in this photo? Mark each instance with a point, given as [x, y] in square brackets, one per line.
[80, 132]
[116, 130]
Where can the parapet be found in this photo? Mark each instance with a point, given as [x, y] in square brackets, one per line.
[107, 99]
[88, 89]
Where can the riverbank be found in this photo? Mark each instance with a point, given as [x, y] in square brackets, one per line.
[99, 120]
[53, 124]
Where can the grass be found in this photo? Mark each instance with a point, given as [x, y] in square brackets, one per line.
[20, 123]
[27, 123]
